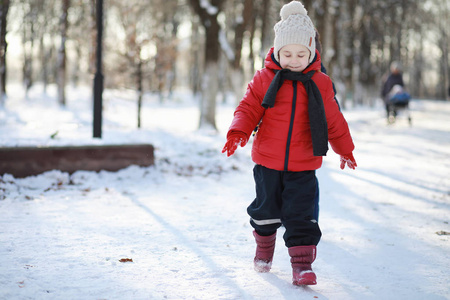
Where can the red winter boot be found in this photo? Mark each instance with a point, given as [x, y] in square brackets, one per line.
[265, 246]
[301, 259]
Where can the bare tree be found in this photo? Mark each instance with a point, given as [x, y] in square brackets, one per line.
[196, 58]
[46, 23]
[28, 38]
[166, 46]
[208, 12]
[79, 32]
[61, 80]
[444, 70]
[242, 17]
[4, 8]
[360, 38]
[264, 23]
[148, 52]
[131, 16]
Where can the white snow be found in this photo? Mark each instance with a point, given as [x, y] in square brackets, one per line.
[183, 222]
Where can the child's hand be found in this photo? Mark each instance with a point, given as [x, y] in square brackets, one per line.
[349, 160]
[233, 140]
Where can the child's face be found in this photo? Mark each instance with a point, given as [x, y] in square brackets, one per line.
[294, 57]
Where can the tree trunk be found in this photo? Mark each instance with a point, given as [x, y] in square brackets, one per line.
[343, 73]
[266, 30]
[251, 54]
[237, 76]
[139, 79]
[64, 24]
[208, 12]
[210, 86]
[44, 63]
[444, 45]
[28, 45]
[194, 78]
[332, 32]
[4, 7]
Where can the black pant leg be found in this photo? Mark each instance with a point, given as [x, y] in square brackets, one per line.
[298, 209]
[265, 210]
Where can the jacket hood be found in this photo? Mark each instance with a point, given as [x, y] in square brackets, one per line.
[271, 63]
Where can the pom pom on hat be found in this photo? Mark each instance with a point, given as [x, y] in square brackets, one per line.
[295, 27]
[293, 8]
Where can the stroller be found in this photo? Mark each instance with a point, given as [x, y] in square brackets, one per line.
[398, 102]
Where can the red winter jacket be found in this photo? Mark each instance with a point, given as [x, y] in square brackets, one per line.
[269, 146]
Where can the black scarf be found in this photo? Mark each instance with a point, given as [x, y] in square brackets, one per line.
[316, 111]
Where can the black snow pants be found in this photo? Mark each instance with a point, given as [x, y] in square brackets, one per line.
[285, 198]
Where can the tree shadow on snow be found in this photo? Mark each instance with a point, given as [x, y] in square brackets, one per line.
[366, 251]
[214, 268]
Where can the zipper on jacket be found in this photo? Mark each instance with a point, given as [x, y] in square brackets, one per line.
[291, 126]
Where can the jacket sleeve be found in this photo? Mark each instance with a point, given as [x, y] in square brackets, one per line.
[249, 111]
[338, 132]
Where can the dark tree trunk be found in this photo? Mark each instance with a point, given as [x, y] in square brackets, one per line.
[139, 79]
[208, 16]
[64, 24]
[4, 7]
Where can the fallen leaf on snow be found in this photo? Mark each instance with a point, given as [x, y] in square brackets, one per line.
[442, 232]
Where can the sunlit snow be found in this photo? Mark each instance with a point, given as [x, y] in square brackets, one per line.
[183, 221]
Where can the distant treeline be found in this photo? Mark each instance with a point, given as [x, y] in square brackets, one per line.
[214, 46]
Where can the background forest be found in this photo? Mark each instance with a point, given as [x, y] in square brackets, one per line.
[213, 47]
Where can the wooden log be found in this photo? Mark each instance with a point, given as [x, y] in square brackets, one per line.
[26, 161]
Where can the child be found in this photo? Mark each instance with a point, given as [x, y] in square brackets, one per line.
[295, 103]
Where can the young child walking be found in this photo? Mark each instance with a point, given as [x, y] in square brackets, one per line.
[292, 104]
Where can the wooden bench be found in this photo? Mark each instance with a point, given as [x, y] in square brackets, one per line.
[26, 161]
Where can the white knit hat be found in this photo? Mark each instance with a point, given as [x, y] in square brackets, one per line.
[295, 27]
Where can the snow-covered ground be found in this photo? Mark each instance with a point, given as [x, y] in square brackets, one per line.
[183, 222]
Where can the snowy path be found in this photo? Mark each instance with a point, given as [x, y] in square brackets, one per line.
[184, 223]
